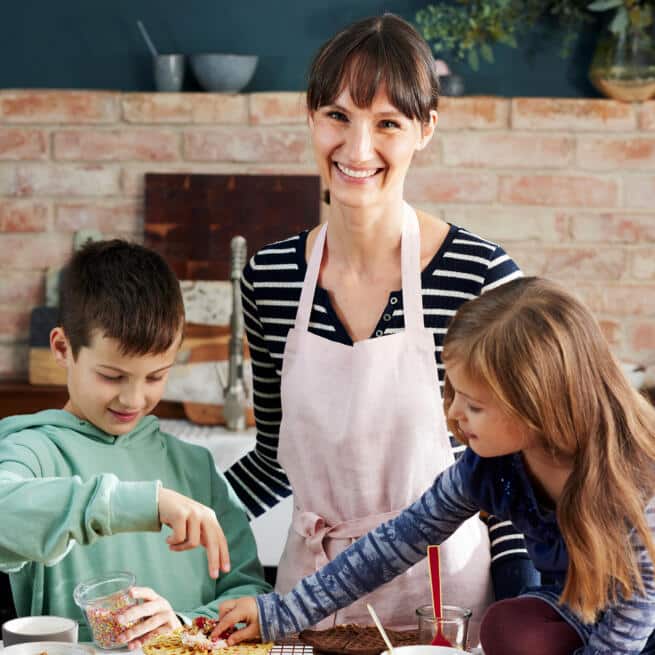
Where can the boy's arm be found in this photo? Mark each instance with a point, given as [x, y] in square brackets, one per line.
[44, 517]
[246, 576]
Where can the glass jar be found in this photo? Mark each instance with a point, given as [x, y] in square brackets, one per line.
[453, 624]
[103, 600]
[623, 65]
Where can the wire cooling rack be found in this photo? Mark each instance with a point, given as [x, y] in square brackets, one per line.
[292, 649]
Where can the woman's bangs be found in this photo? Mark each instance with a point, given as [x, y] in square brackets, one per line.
[372, 69]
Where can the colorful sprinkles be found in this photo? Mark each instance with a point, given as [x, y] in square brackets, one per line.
[104, 620]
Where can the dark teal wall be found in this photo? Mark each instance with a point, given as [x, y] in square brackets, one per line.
[95, 44]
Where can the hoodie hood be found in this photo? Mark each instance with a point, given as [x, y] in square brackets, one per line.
[147, 429]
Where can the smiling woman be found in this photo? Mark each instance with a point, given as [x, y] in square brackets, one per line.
[345, 324]
[364, 153]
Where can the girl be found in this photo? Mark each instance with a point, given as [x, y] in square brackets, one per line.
[560, 444]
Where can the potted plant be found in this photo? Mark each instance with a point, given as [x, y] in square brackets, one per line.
[623, 66]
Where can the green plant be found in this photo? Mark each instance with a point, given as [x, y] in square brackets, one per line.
[467, 29]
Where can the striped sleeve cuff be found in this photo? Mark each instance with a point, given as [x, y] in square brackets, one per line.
[505, 540]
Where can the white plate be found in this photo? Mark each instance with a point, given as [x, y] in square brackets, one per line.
[49, 647]
[425, 650]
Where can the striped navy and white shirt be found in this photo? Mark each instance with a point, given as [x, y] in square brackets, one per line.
[464, 267]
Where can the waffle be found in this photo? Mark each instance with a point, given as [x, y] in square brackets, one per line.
[355, 639]
[171, 644]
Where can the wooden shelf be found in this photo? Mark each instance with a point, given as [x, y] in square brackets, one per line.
[25, 398]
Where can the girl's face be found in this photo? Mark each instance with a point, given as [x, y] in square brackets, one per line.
[363, 154]
[489, 429]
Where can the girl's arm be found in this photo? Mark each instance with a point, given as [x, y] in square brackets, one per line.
[374, 559]
[625, 627]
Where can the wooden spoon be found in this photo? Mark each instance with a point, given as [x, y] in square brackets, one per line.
[381, 630]
[439, 638]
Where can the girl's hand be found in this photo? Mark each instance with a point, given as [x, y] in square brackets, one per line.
[153, 617]
[242, 610]
[193, 525]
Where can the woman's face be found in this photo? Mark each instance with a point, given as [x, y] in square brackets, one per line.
[363, 154]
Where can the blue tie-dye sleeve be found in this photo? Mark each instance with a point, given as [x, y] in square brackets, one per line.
[377, 557]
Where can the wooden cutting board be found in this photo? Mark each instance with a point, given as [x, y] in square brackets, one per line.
[190, 219]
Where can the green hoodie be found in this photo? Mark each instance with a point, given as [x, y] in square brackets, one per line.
[77, 502]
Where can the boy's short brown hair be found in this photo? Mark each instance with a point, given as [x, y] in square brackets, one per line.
[124, 291]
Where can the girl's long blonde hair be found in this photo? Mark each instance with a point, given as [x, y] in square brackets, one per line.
[543, 355]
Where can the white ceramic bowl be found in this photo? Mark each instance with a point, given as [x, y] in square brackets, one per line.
[426, 650]
[50, 647]
[39, 628]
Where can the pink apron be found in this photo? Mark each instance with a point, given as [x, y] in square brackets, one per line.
[363, 435]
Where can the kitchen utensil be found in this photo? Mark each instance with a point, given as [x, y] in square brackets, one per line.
[169, 72]
[378, 625]
[454, 624]
[435, 585]
[147, 39]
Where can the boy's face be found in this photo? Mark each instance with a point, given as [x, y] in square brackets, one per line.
[111, 390]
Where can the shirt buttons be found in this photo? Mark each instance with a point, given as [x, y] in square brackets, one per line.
[387, 317]
[379, 333]
[393, 300]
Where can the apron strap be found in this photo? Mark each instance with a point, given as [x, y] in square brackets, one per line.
[311, 278]
[410, 257]
[315, 529]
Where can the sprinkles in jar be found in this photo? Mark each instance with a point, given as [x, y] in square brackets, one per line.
[103, 600]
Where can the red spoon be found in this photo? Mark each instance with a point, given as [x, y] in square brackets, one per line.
[435, 584]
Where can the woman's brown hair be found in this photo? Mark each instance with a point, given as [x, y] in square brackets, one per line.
[382, 50]
[544, 357]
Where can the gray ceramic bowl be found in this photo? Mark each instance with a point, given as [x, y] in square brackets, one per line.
[226, 73]
[38, 629]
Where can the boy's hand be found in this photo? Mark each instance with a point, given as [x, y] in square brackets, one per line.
[151, 618]
[242, 610]
[194, 524]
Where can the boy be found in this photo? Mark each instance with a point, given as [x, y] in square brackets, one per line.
[77, 484]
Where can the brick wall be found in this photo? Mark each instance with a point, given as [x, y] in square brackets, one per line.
[566, 186]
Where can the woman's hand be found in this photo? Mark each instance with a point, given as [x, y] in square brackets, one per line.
[151, 618]
[242, 610]
[194, 524]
